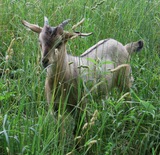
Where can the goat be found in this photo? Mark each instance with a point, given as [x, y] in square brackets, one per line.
[106, 64]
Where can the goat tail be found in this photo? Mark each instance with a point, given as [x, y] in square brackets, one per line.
[134, 46]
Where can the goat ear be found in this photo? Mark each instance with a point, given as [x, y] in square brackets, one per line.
[33, 27]
[68, 35]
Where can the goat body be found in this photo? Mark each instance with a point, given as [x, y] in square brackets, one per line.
[94, 66]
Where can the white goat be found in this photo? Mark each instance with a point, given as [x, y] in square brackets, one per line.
[106, 64]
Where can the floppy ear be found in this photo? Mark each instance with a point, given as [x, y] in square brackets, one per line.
[33, 27]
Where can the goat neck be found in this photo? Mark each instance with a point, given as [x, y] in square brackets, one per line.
[60, 67]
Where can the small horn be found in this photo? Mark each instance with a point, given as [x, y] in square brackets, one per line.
[64, 23]
[46, 21]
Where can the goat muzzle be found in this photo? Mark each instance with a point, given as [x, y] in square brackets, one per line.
[45, 62]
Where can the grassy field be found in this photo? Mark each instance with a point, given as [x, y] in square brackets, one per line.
[26, 125]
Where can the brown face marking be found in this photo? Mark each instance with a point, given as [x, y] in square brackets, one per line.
[48, 38]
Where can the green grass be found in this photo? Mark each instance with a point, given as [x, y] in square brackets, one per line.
[26, 124]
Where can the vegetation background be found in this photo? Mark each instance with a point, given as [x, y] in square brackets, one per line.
[26, 126]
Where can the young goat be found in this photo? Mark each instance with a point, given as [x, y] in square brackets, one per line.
[105, 64]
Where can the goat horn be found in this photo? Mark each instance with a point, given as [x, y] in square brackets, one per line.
[46, 21]
[64, 23]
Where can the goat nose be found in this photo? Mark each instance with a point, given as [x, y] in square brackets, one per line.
[45, 62]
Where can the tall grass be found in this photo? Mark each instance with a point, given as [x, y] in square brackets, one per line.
[27, 126]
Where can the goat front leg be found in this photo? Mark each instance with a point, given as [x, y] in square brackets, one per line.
[81, 118]
[56, 107]
[50, 94]
[77, 132]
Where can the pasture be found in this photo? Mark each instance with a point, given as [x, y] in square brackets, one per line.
[121, 127]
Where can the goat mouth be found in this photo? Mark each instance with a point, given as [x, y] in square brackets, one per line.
[45, 63]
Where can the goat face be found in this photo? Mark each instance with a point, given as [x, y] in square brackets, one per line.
[50, 38]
